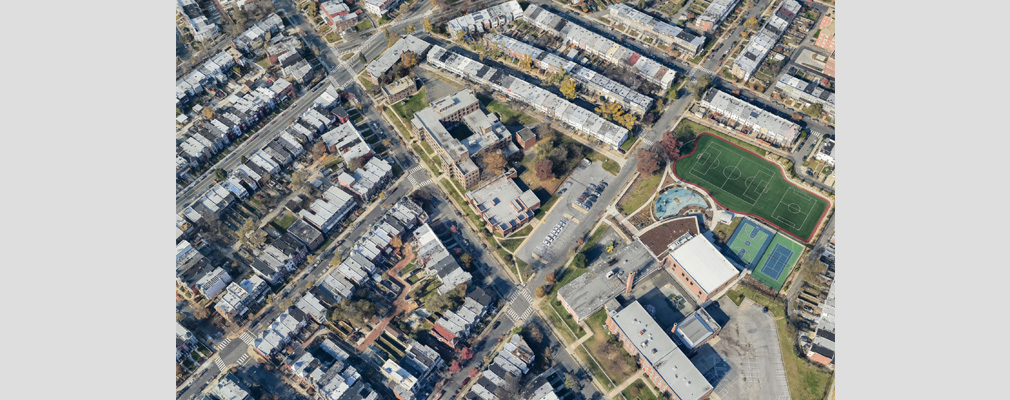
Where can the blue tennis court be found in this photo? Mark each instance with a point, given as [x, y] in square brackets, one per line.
[778, 259]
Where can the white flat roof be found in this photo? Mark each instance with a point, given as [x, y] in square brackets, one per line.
[704, 263]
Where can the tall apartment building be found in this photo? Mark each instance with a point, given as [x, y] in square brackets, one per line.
[433, 124]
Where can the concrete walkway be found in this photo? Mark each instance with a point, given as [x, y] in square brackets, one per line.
[399, 305]
[583, 339]
[613, 394]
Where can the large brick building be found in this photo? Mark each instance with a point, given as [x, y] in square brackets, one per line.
[662, 361]
[699, 267]
[399, 90]
[433, 124]
[502, 205]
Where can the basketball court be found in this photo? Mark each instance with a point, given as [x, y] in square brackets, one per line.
[749, 242]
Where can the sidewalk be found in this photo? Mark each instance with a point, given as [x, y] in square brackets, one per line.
[624, 385]
[399, 305]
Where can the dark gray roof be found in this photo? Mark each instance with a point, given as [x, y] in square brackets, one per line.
[288, 244]
[824, 351]
[304, 232]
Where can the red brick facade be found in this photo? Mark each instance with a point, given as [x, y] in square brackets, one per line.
[689, 284]
[629, 346]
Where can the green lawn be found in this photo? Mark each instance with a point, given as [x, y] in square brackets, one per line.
[407, 108]
[424, 157]
[366, 83]
[594, 369]
[641, 193]
[557, 322]
[566, 318]
[511, 244]
[463, 204]
[724, 231]
[747, 183]
[566, 276]
[508, 115]
[609, 165]
[618, 364]
[285, 220]
[639, 391]
[595, 237]
[396, 122]
[806, 380]
[524, 231]
[364, 24]
[626, 146]
[408, 269]
[777, 308]
[427, 148]
[544, 208]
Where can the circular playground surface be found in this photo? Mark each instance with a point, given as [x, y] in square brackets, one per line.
[673, 201]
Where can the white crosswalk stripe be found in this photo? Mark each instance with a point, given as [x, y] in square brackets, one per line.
[223, 344]
[526, 295]
[242, 360]
[247, 338]
[219, 363]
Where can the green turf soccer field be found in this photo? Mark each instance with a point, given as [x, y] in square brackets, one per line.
[747, 183]
[778, 259]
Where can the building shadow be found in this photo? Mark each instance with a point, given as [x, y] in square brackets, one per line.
[712, 366]
[720, 316]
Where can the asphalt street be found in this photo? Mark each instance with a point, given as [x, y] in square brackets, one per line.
[713, 61]
[340, 73]
[260, 138]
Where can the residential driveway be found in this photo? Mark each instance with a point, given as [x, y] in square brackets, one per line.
[748, 363]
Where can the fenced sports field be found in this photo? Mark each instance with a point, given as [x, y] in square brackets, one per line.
[747, 183]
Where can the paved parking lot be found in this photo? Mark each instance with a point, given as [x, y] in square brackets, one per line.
[749, 364]
[579, 221]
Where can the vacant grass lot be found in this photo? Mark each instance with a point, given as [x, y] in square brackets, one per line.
[643, 188]
[285, 220]
[508, 115]
[806, 381]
